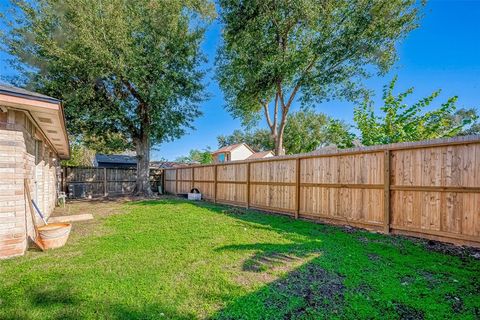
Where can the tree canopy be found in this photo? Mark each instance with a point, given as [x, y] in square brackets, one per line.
[402, 122]
[258, 140]
[305, 131]
[197, 156]
[80, 155]
[468, 119]
[278, 52]
[128, 71]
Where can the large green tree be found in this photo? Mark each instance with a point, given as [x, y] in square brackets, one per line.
[197, 156]
[402, 122]
[277, 52]
[80, 155]
[258, 139]
[469, 119]
[305, 131]
[128, 71]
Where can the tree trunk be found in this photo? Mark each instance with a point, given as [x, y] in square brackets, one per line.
[279, 151]
[142, 185]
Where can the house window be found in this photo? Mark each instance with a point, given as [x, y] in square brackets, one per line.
[221, 157]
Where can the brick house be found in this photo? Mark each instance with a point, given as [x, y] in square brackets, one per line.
[33, 140]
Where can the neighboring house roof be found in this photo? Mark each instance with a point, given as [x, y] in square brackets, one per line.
[20, 92]
[44, 111]
[166, 164]
[260, 155]
[328, 148]
[115, 158]
[232, 147]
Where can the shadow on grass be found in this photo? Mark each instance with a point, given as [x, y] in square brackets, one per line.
[344, 273]
[309, 292]
[304, 228]
[271, 255]
[58, 301]
[355, 274]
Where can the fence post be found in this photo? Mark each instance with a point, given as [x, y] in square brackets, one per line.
[248, 185]
[193, 178]
[386, 190]
[176, 181]
[297, 188]
[215, 184]
[162, 181]
[105, 182]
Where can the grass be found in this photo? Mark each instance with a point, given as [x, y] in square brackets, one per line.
[172, 259]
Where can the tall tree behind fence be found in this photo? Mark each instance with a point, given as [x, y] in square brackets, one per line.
[428, 189]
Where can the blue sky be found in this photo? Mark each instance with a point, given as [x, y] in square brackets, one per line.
[443, 53]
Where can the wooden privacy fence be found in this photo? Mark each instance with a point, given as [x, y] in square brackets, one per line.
[81, 182]
[428, 189]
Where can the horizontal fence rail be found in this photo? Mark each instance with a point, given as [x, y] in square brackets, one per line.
[427, 189]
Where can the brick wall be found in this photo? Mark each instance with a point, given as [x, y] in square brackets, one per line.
[18, 161]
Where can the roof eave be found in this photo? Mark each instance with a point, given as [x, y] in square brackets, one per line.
[37, 107]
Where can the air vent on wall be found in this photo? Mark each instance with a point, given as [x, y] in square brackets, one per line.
[45, 120]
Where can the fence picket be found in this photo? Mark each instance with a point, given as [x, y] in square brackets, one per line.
[427, 189]
[81, 182]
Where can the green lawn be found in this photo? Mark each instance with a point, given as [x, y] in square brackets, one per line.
[173, 259]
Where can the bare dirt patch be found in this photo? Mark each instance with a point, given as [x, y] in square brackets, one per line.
[432, 279]
[431, 245]
[316, 288]
[267, 267]
[374, 257]
[265, 261]
[363, 289]
[97, 207]
[450, 249]
[456, 302]
[407, 312]
[235, 210]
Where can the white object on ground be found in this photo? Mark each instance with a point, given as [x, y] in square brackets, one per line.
[194, 196]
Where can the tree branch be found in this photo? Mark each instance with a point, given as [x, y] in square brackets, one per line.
[142, 109]
[299, 82]
[280, 93]
[133, 91]
[99, 87]
[275, 114]
[264, 104]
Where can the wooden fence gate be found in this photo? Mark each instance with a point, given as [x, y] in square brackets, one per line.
[91, 182]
